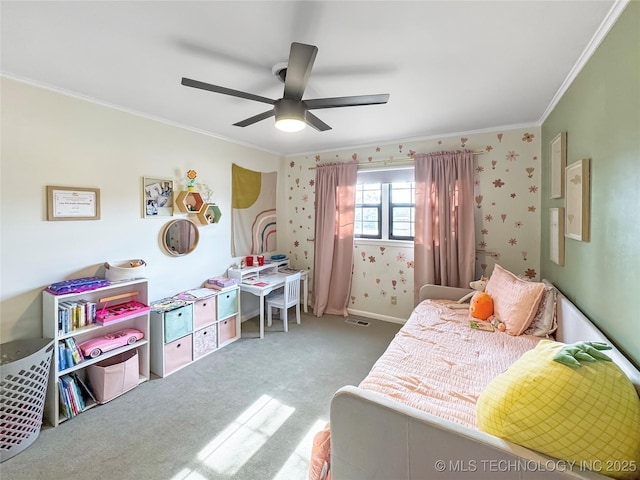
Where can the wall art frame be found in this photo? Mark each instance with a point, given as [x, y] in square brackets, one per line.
[577, 200]
[556, 235]
[157, 197]
[72, 203]
[558, 162]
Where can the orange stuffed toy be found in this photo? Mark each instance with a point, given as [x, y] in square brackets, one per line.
[481, 306]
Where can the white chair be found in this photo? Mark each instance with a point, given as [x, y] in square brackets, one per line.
[289, 298]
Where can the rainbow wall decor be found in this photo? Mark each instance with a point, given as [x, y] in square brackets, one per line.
[253, 207]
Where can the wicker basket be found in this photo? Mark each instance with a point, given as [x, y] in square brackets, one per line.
[124, 270]
[24, 373]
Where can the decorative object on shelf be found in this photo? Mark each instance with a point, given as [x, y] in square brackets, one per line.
[253, 203]
[558, 161]
[190, 202]
[95, 347]
[191, 176]
[157, 197]
[577, 191]
[124, 270]
[205, 191]
[180, 237]
[556, 235]
[73, 203]
[210, 214]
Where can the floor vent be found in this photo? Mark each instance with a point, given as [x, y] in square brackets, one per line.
[360, 323]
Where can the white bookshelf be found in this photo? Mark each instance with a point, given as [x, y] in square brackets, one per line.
[139, 321]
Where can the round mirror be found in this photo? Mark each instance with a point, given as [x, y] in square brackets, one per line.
[180, 237]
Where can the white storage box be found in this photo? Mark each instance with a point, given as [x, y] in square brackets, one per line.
[124, 270]
[114, 376]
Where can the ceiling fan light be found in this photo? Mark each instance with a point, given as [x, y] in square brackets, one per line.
[290, 125]
[290, 115]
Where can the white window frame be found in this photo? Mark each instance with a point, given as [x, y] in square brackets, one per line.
[384, 219]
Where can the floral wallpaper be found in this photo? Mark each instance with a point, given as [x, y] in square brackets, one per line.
[507, 197]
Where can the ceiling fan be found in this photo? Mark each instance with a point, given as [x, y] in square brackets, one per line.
[291, 112]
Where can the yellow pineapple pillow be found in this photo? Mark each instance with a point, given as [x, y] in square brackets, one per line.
[580, 407]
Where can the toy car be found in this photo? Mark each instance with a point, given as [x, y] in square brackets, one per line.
[97, 346]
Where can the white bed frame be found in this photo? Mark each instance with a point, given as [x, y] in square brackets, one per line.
[376, 438]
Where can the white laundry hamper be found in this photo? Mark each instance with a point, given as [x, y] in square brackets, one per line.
[24, 373]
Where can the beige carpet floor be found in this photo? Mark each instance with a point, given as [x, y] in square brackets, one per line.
[247, 411]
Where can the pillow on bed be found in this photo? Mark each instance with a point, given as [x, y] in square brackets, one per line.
[515, 301]
[586, 413]
[544, 321]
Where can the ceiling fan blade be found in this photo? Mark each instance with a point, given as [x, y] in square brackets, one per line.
[316, 123]
[301, 58]
[255, 118]
[353, 101]
[187, 82]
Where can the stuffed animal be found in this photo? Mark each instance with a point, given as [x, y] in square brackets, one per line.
[478, 286]
[481, 306]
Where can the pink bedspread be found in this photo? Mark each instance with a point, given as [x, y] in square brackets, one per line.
[440, 365]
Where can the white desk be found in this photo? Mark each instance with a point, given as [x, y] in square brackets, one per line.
[267, 279]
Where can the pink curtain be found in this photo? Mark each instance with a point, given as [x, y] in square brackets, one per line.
[444, 243]
[335, 213]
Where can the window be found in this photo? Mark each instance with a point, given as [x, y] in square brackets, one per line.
[402, 210]
[385, 211]
[368, 211]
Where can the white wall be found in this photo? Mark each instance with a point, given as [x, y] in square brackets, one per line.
[53, 139]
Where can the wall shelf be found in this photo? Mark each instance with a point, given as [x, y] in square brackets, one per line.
[210, 214]
[190, 202]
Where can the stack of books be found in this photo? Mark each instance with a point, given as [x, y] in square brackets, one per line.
[73, 395]
[69, 354]
[221, 283]
[75, 315]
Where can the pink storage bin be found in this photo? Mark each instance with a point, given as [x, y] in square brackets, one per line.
[114, 376]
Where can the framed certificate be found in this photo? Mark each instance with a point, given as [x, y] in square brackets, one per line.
[73, 203]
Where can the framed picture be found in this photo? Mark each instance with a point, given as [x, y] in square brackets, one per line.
[577, 190]
[556, 235]
[558, 155]
[157, 197]
[73, 203]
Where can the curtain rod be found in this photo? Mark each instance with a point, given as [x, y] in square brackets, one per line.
[393, 160]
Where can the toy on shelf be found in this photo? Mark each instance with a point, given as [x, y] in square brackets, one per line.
[77, 285]
[122, 310]
[191, 176]
[97, 346]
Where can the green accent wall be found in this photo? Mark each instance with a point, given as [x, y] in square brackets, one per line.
[601, 114]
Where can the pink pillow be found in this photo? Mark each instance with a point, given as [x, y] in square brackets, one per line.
[515, 301]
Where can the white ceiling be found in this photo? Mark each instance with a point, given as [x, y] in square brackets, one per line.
[449, 66]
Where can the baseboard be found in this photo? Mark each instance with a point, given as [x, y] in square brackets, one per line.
[251, 314]
[376, 316]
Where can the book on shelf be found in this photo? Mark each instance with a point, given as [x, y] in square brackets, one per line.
[221, 281]
[84, 388]
[65, 405]
[75, 315]
[76, 353]
[73, 398]
[215, 286]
